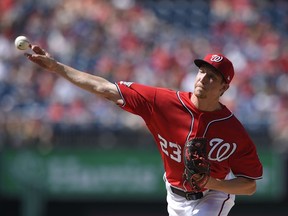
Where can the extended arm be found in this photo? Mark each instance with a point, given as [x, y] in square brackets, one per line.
[94, 84]
[238, 186]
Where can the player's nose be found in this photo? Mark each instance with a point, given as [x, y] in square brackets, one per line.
[203, 78]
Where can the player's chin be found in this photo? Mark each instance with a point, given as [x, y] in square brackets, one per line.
[200, 93]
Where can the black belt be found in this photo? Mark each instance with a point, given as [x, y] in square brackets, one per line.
[187, 195]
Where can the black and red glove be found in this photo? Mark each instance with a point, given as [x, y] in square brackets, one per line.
[197, 166]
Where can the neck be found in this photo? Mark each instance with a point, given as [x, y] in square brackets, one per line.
[205, 104]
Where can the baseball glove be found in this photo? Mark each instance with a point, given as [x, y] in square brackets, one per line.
[197, 166]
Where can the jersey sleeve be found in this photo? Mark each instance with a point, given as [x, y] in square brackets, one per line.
[246, 162]
[138, 99]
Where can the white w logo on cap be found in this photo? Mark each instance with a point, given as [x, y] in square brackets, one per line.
[216, 58]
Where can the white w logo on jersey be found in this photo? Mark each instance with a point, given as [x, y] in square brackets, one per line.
[220, 152]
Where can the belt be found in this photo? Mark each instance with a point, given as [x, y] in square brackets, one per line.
[187, 195]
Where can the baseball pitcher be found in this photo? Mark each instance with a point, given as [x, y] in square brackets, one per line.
[207, 155]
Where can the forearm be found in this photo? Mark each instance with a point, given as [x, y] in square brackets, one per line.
[237, 186]
[86, 81]
[94, 84]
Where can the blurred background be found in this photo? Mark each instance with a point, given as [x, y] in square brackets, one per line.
[64, 151]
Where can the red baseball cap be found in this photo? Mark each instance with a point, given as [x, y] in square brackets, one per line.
[220, 63]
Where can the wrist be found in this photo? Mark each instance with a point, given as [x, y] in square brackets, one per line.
[56, 67]
[213, 183]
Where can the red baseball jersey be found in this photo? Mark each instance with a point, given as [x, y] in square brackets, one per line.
[172, 119]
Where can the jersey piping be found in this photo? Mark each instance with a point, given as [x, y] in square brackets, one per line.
[249, 177]
[216, 120]
[192, 123]
[190, 112]
[124, 102]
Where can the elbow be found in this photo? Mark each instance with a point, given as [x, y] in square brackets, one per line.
[252, 189]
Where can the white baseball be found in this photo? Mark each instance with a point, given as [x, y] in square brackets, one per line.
[22, 43]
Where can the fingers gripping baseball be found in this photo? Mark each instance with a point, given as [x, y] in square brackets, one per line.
[41, 58]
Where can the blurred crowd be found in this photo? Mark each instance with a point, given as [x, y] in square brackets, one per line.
[131, 40]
